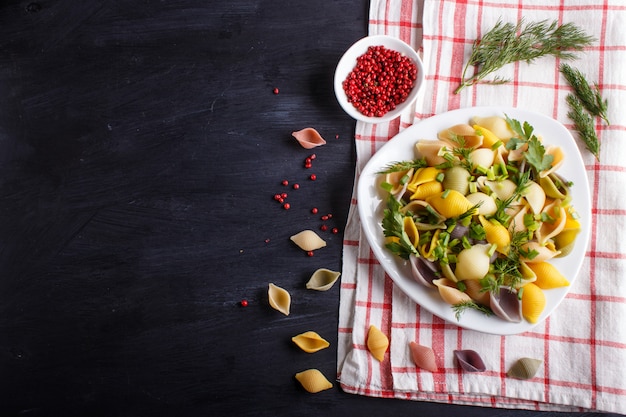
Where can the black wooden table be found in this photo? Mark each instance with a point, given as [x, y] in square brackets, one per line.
[141, 146]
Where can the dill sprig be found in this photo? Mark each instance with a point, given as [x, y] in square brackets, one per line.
[506, 43]
[583, 123]
[460, 308]
[590, 98]
[403, 166]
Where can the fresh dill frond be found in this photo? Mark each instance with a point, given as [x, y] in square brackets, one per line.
[403, 166]
[583, 123]
[591, 98]
[460, 308]
[506, 43]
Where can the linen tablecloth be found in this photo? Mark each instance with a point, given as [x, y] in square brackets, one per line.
[583, 343]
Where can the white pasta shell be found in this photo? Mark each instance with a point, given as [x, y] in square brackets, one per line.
[429, 150]
[313, 381]
[483, 157]
[496, 124]
[322, 279]
[559, 158]
[279, 299]
[502, 189]
[450, 293]
[308, 240]
[473, 263]
[487, 205]
[535, 196]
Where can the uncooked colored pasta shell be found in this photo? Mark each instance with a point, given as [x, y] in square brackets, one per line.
[469, 360]
[279, 299]
[310, 342]
[450, 293]
[313, 381]
[449, 203]
[308, 240]
[322, 279]
[535, 196]
[473, 262]
[377, 343]
[524, 368]
[496, 234]
[496, 125]
[309, 138]
[423, 356]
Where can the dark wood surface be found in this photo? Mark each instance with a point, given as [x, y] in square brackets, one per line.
[141, 145]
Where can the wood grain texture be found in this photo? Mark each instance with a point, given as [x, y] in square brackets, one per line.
[140, 148]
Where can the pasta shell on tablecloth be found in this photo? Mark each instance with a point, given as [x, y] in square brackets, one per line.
[279, 299]
[524, 368]
[313, 381]
[310, 342]
[377, 343]
[469, 360]
[423, 357]
[322, 279]
[533, 302]
[308, 240]
[308, 138]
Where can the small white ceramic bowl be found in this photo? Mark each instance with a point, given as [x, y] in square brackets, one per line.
[348, 62]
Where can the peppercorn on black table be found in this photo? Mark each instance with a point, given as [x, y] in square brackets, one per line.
[143, 146]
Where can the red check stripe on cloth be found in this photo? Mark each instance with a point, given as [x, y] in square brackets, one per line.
[583, 343]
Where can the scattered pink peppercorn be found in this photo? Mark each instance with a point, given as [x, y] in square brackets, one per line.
[314, 210]
[329, 215]
[310, 253]
[296, 186]
[276, 90]
[312, 156]
[283, 195]
[312, 177]
[285, 182]
[281, 200]
[276, 197]
[335, 230]
[324, 218]
[323, 228]
[244, 303]
[286, 206]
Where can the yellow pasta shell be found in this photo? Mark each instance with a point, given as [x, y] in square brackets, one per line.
[489, 138]
[310, 342]
[496, 124]
[449, 203]
[426, 189]
[548, 276]
[313, 381]
[422, 176]
[411, 230]
[496, 234]
[426, 250]
[377, 343]
[533, 302]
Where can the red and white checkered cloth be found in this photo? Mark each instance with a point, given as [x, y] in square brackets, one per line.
[583, 343]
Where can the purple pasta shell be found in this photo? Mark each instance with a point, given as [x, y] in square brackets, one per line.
[506, 305]
[423, 270]
[470, 360]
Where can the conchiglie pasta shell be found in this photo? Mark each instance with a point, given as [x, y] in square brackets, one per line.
[395, 179]
[423, 357]
[308, 240]
[449, 293]
[426, 249]
[279, 299]
[549, 229]
[474, 289]
[457, 179]
[313, 381]
[535, 196]
[310, 342]
[496, 124]
[473, 262]
[548, 276]
[559, 158]
[524, 368]
[449, 203]
[543, 252]
[423, 175]
[309, 138]
[322, 279]
[489, 138]
[426, 189]
[502, 189]
[482, 157]
[533, 302]
[496, 234]
[464, 132]
[429, 150]
[554, 186]
[377, 343]
[487, 205]
[469, 360]
[517, 222]
[565, 241]
[410, 229]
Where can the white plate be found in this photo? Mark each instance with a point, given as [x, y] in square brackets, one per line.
[371, 202]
